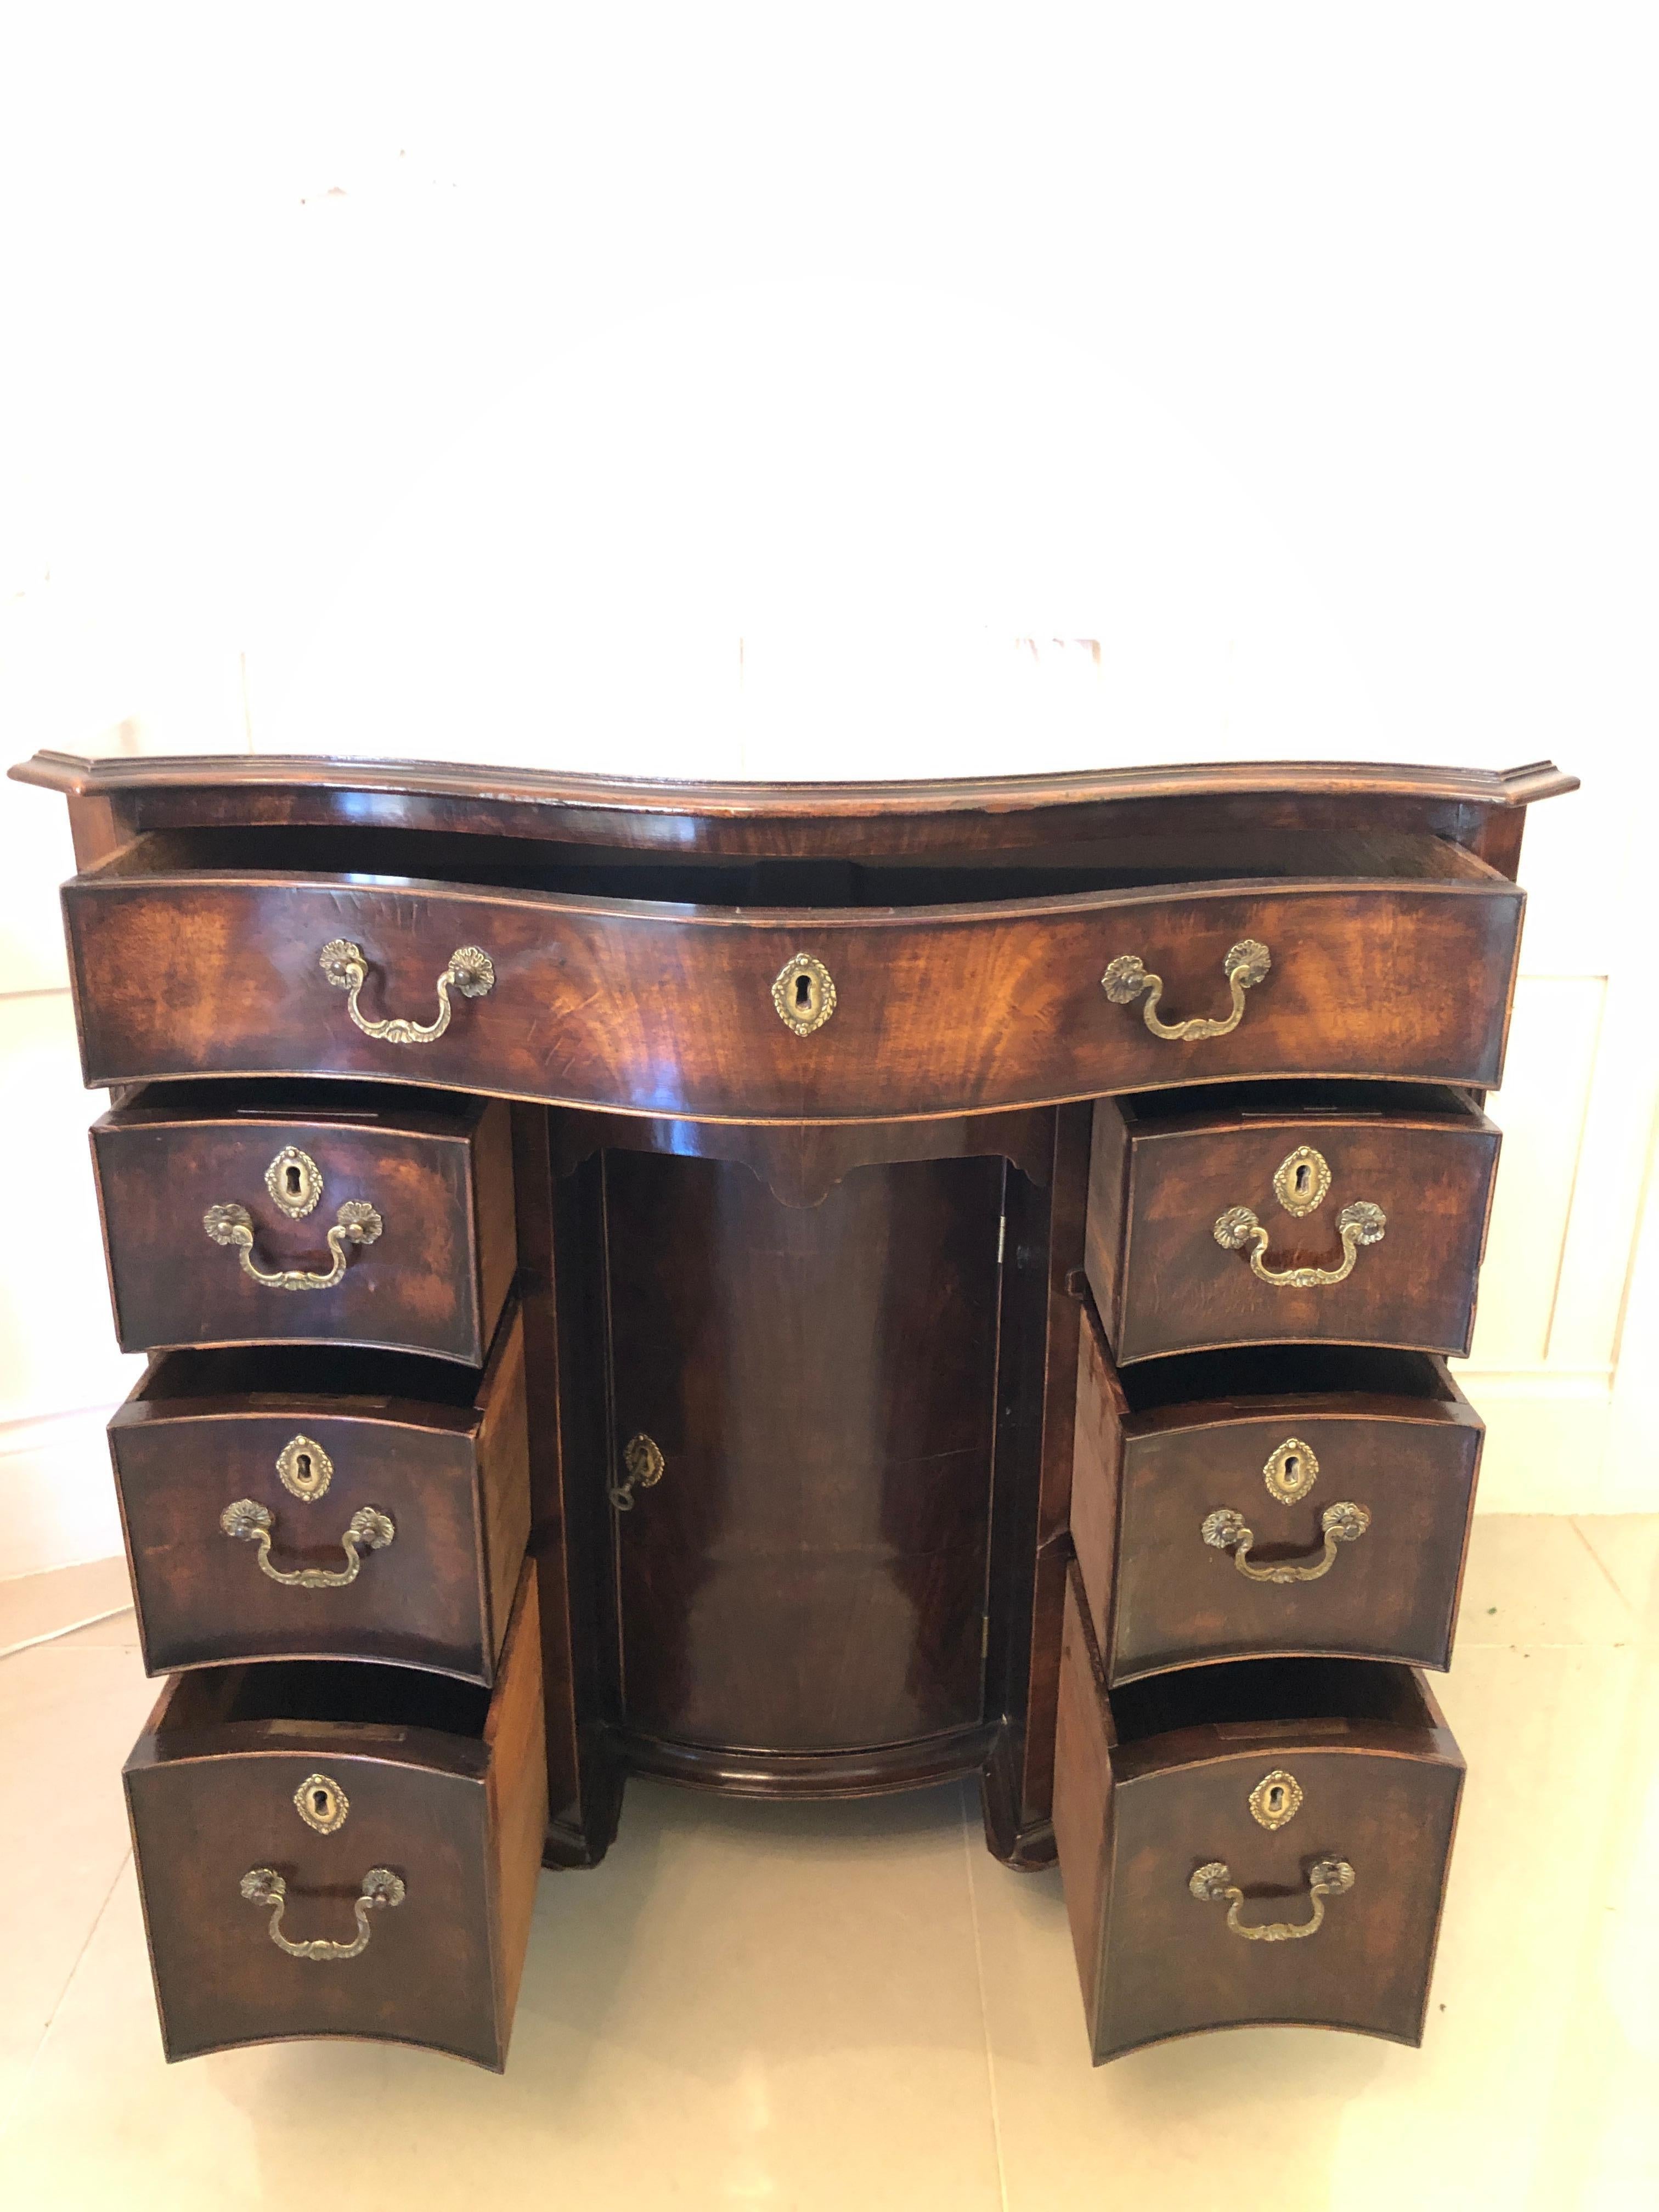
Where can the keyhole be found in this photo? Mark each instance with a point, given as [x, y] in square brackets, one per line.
[1303, 1179]
[291, 1177]
[302, 1469]
[1275, 1798]
[1293, 1468]
[320, 1804]
[803, 995]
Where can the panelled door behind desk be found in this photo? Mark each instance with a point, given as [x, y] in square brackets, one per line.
[803, 1414]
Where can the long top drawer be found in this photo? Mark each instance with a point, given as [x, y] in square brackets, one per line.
[907, 990]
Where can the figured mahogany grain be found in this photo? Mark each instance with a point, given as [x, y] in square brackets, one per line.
[1166, 1170]
[438, 1171]
[668, 1010]
[809, 1574]
[1390, 1431]
[446, 1466]
[444, 1788]
[1146, 1793]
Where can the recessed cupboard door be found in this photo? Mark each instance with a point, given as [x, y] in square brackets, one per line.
[802, 1418]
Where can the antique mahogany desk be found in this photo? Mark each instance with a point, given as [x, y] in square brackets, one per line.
[803, 1289]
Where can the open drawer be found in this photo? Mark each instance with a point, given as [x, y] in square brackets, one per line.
[1262, 1842]
[1289, 1213]
[295, 1213]
[342, 1850]
[381, 1502]
[1286, 1500]
[788, 990]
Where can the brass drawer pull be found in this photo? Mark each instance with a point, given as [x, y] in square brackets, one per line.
[1361, 1223]
[471, 972]
[1342, 1523]
[1243, 964]
[369, 1530]
[356, 1222]
[1213, 1884]
[264, 1886]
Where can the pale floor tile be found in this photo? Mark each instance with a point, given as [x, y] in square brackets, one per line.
[1627, 1547]
[781, 2006]
[1531, 1579]
[67, 1723]
[119, 1632]
[745, 2005]
[1539, 2065]
[42, 1605]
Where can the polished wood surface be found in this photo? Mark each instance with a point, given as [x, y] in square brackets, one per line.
[444, 1788]
[438, 1170]
[924, 1310]
[1152, 1782]
[1398, 965]
[1163, 1446]
[1166, 1169]
[439, 1450]
[794, 820]
[1036, 1367]
[809, 1573]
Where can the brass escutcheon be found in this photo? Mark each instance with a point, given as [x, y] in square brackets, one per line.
[1276, 1799]
[321, 1804]
[1291, 1471]
[304, 1469]
[644, 1462]
[804, 995]
[294, 1182]
[1302, 1181]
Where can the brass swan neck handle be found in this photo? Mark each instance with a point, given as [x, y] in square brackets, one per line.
[1359, 1223]
[264, 1886]
[1342, 1523]
[471, 972]
[368, 1530]
[356, 1222]
[1243, 964]
[1215, 1885]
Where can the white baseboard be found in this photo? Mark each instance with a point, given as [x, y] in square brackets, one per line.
[1547, 1446]
[56, 1496]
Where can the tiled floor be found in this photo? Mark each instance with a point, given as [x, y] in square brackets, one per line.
[853, 2006]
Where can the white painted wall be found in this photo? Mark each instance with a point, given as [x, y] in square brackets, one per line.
[384, 382]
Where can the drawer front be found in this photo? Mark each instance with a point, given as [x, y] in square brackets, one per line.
[422, 1891]
[1191, 1244]
[939, 1010]
[408, 1242]
[1166, 1868]
[325, 1527]
[1332, 1524]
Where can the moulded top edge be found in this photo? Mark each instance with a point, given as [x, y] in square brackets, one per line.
[82, 776]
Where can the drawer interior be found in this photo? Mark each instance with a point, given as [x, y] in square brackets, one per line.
[1242, 1374]
[1242, 1693]
[369, 854]
[273, 1098]
[1310, 1098]
[322, 1690]
[248, 1373]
